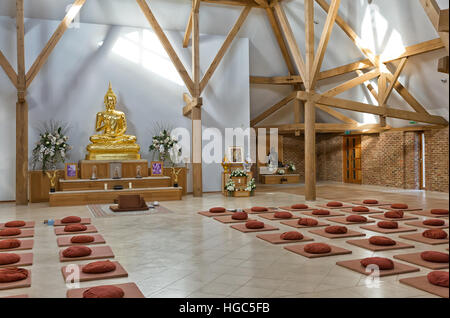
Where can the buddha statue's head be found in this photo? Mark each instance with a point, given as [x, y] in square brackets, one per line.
[110, 99]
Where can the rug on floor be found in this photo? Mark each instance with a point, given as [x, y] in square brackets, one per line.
[103, 210]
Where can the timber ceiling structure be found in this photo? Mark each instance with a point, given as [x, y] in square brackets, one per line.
[378, 73]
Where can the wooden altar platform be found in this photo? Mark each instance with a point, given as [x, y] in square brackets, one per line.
[279, 179]
[83, 190]
[68, 198]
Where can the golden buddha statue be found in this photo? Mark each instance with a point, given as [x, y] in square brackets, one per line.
[112, 143]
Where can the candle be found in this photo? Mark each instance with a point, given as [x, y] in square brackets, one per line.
[129, 185]
[106, 186]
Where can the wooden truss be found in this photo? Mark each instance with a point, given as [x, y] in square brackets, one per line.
[309, 74]
[303, 77]
[374, 67]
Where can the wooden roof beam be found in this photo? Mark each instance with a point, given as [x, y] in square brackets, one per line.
[292, 43]
[394, 80]
[326, 34]
[224, 48]
[273, 109]
[434, 13]
[45, 53]
[324, 127]
[387, 111]
[187, 33]
[9, 70]
[281, 43]
[167, 46]
[352, 83]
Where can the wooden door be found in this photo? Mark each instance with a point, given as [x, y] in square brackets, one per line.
[352, 159]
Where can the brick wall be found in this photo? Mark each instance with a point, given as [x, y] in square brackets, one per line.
[328, 152]
[294, 151]
[383, 159]
[436, 160]
[389, 159]
[329, 157]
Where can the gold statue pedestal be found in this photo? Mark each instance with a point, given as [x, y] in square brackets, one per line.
[110, 152]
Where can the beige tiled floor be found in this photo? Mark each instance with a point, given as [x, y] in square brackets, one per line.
[183, 254]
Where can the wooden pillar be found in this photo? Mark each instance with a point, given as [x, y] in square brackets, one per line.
[310, 151]
[196, 114]
[21, 113]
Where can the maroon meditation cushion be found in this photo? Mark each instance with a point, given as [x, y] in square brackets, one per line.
[360, 209]
[218, 209]
[75, 228]
[15, 224]
[381, 241]
[383, 263]
[317, 248]
[106, 291]
[356, 218]
[10, 232]
[82, 239]
[436, 234]
[259, 209]
[9, 258]
[71, 219]
[254, 225]
[336, 229]
[299, 206]
[434, 222]
[12, 274]
[283, 215]
[77, 251]
[321, 212]
[439, 278]
[394, 214]
[435, 257]
[99, 267]
[292, 235]
[388, 224]
[439, 211]
[399, 206]
[334, 204]
[307, 222]
[239, 216]
[370, 201]
[8, 244]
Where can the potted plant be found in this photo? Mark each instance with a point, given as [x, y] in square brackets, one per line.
[239, 177]
[50, 150]
[230, 187]
[165, 145]
[251, 186]
[290, 167]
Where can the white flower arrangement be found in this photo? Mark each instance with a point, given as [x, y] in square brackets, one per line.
[281, 172]
[165, 145]
[290, 167]
[230, 186]
[52, 146]
[251, 185]
[238, 173]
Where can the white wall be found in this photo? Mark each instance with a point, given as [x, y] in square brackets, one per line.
[71, 87]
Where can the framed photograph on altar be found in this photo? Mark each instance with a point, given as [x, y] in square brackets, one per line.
[156, 168]
[71, 171]
[236, 154]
